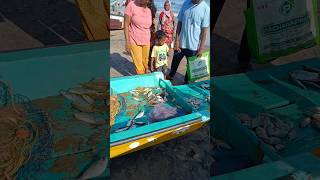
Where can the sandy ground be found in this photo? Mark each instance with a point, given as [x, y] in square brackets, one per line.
[28, 24]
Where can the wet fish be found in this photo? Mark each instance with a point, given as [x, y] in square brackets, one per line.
[292, 134]
[88, 99]
[305, 122]
[81, 91]
[316, 110]
[277, 132]
[261, 133]
[279, 147]
[96, 169]
[316, 116]
[85, 117]
[316, 124]
[72, 97]
[84, 107]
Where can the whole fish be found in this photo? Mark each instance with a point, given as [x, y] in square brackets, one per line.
[305, 122]
[292, 134]
[279, 147]
[88, 99]
[73, 97]
[316, 116]
[84, 107]
[261, 132]
[96, 169]
[316, 110]
[316, 124]
[85, 117]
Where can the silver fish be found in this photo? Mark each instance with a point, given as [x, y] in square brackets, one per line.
[72, 97]
[81, 90]
[276, 131]
[273, 141]
[279, 147]
[95, 169]
[85, 117]
[316, 110]
[139, 115]
[292, 134]
[83, 107]
[88, 99]
[261, 133]
[316, 124]
[305, 122]
[316, 116]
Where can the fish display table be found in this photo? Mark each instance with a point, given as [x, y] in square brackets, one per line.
[64, 147]
[152, 111]
[266, 110]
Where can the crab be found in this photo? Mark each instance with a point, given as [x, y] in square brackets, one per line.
[309, 76]
[313, 119]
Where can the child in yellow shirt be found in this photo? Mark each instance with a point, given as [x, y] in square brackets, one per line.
[160, 53]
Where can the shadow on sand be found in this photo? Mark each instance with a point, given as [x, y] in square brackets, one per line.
[50, 22]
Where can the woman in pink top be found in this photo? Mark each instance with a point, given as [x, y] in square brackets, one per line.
[137, 31]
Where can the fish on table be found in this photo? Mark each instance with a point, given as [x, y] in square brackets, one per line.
[96, 169]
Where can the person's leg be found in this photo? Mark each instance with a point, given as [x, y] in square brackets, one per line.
[177, 57]
[145, 58]
[188, 53]
[165, 71]
[150, 59]
[136, 55]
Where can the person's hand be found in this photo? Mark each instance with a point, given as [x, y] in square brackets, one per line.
[154, 21]
[200, 52]
[152, 67]
[177, 46]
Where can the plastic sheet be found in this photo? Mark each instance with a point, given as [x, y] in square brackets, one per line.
[162, 112]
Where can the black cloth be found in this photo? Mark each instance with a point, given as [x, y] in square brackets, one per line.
[177, 57]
